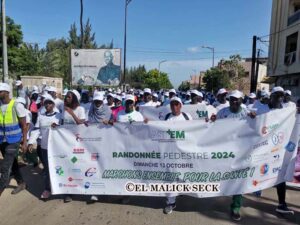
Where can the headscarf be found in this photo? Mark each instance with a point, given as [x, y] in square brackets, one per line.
[96, 115]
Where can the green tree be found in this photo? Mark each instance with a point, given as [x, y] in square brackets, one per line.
[184, 86]
[157, 81]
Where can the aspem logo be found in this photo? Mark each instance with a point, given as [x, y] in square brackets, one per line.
[202, 114]
[290, 147]
[70, 179]
[267, 129]
[90, 172]
[264, 169]
[79, 138]
[59, 170]
[176, 134]
[78, 150]
[95, 156]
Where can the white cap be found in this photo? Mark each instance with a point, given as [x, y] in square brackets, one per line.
[46, 88]
[5, 87]
[172, 91]
[129, 97]
[18, 82]
[277, 89]
[222, 91]
[49, 98]
[188, 93]
[119, 91]
[76, 93]
[196, 92]
[288, 92]
[110, 90]
[265, 93]
[52, 89]
[98, 96]
[110, 94]
[236, 94]
[131, 90]
[252, 95]
[118, 97]
[21, 100]
[147, 90]
[166, 93]
[45, 95]
[35, 88]
[155, 95]
[34, 92]
[141, 93]
[176, 99]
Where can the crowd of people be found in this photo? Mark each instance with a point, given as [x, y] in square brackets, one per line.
[25, 121]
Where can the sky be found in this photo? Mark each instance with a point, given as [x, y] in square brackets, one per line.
[172, 30]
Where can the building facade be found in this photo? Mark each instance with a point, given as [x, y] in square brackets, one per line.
[284, 49]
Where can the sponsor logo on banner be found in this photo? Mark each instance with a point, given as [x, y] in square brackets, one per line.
[267, 129]
[67, 185]
[59, 170]
[78, 150]
[61, 156]
[88, 185]
[167, 136]
[70, 179]
[264, 169]
[79, 138]
[74, 159]
[266, 142]
[90, 172]
[278, 138]
[290, 147]
[75, 170]
[255, 158]
[95, 156]
[276, 157]
[276, 169]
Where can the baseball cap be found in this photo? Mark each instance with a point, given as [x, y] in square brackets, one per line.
[166, 93]
[110, 94]
[288, 92]
[222, 91]
[277, 89]
[49, 98]
[18, 82]
[147, 90]
[98, 96]
[65, 92]
[196, 92]
[252, 95]
[155, 95]
[236, 94]
[118, 97]
[172, 91]
[76, 93]
[265, 94]
[52, 89]
[129, 97]
[188, 93]
[176, 99]
[4, 87]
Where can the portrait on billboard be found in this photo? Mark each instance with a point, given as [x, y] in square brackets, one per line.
[100, 67]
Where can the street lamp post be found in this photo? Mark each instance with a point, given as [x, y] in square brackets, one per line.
[4, 44]
[213, 54]
[124, 68]
[159, 65]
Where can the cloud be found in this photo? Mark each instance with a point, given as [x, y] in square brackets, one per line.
[193, 49]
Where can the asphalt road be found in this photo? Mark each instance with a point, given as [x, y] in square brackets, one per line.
[26, 208]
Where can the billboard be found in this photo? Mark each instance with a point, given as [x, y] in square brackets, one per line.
[100, 67]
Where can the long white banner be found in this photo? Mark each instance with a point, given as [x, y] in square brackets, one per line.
[241, 156]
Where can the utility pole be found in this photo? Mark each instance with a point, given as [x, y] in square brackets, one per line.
[125, 33]
[81, 24]
[4, 44]
[252, 80]
[257, 70]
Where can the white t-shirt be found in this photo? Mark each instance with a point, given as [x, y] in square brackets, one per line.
[179, 118]
[220, 106]
[289, 104]
[20, 109]
[59, 104]
[42, 126]
[79, 112]
[260, 108]
[226, 113]
[134, 116]
[186, 102]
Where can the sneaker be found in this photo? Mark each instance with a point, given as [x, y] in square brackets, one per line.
[94, 198]
[282, 208]
[19, 188]
[68, 198]
[169, 208]
[46, 194]
[235, 215]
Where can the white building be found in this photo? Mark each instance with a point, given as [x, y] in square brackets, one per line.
[284, 50]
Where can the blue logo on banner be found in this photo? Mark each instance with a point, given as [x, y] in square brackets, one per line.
[290, 147]
[87, 185]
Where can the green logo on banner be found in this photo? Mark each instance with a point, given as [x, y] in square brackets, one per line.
[202, 114]
[74, 160]
[176, 134]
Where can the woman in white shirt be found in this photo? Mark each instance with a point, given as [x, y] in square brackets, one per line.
[73, 112]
